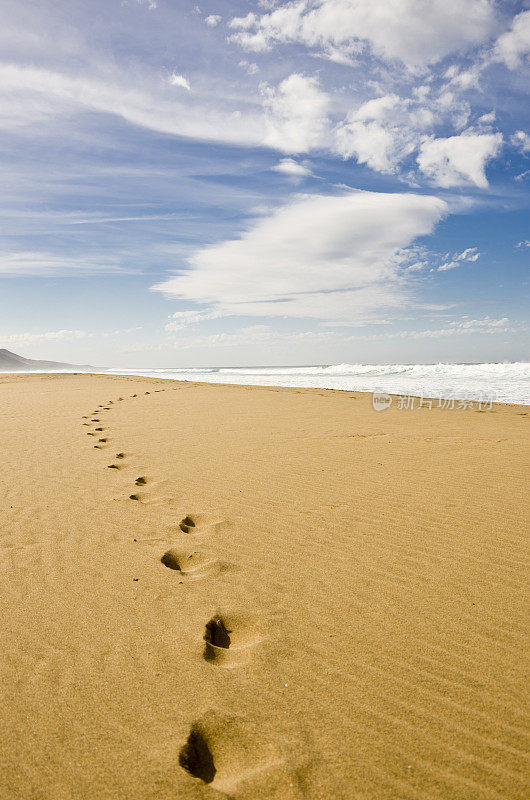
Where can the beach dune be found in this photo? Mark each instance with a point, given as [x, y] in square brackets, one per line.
[258, 593]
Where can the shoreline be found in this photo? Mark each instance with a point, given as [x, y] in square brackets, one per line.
[219, 384]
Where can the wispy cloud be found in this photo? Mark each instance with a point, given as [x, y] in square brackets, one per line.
[212, 20]
[323, 257]
[15, 339]
[180, 80]
[47, 264]
[471, 254]
[292, 168]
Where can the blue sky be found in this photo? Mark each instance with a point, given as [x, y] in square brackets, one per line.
[320, 181]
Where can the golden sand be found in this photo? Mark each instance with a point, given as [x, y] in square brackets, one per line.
[271, 593]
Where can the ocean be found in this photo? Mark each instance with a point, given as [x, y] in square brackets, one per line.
[503, 383]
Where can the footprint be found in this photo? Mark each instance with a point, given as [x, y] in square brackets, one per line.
[100, 429]
[103, 440]
[223, 750]
[191, 563]
[198, 523]
[95, 420]
[141, 481]
[144, 498]
[134, 395]
[230, 638]
[114, 466]
[91, 433]
[120, 398]
[148, 393]
[188, 525]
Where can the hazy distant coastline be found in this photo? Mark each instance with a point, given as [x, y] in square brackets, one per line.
[11, 362]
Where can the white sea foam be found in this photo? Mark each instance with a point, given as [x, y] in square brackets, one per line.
[503, 383]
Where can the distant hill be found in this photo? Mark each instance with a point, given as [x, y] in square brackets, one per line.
[10, 362]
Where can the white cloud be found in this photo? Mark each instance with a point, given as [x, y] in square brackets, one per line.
[459, 159]
[370, 143]
[381, 132]
[55, 336]
[461, 327]
[524, 243]
[295, 114]
[212, 20]
[288, 166]
[413, 31]
[521, 140]
[466, 326]
[471, 254]
[385, 130]
[452, 105]
[151, 4]
[332, 258]
[249, 67]
[463, 78]
[514, 45]
[486, 119]
[180, 80]
[182, 319]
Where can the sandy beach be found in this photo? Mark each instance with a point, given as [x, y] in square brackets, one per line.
[258, 593]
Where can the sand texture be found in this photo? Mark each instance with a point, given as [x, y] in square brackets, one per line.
[220, 591]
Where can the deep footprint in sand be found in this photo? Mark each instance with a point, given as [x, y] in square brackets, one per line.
[191, 564]
[199, 523]
[230, 638]
[224, 750]
[188, 525]
[141, 481]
